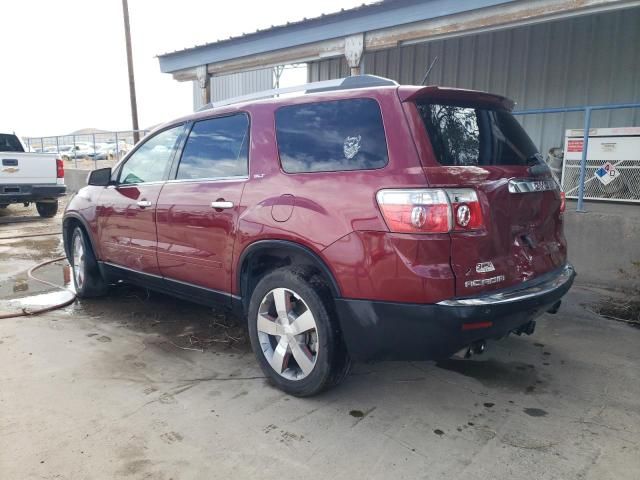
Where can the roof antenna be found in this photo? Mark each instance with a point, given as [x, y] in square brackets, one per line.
[426, 75]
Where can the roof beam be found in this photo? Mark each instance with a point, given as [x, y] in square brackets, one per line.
[491, 18]
[349, 22]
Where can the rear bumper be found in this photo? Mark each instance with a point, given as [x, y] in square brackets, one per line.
[405, 331]
[18, 193]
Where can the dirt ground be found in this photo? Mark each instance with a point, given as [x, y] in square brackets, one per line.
[138, 385]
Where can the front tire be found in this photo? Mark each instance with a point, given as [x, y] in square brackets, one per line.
[87, 278]
[47, 209]
[294, 333]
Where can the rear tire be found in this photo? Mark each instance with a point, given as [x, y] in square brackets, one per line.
[295, 334]
[47, 209]
[87, 278]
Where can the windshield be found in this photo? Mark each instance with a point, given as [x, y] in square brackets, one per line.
[467, 136]
[10, 143]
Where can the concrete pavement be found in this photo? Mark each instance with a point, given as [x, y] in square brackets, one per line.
[138, 385]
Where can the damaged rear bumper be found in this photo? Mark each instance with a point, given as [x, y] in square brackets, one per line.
[404, 331]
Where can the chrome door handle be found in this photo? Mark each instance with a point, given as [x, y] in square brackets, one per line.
[221, 204]
[144, 203]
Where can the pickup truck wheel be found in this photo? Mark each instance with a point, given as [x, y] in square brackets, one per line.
[294, 333]
[47, 209]
[86, 275]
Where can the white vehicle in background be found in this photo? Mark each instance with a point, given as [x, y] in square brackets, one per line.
[109, 150]
[78, 150]
[29, 177]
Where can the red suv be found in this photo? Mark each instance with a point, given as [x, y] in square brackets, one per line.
[359, 219]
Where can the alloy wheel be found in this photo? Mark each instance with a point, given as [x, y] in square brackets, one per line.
[288, 333]
[78, 261]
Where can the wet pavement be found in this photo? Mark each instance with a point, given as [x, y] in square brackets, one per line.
[139, 385]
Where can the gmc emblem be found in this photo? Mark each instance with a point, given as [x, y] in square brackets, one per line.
[484, 267]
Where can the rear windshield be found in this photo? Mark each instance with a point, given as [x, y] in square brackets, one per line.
[10, 143]
[462, 136]
[331, 136]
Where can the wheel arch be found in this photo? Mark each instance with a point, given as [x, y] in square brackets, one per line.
[70, 221]
[264, 256]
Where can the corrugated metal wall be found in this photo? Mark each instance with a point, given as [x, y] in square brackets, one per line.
[586, 60]
[235, 84]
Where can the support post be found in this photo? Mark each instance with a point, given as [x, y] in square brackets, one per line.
[583, 160]
[353, 50]
[204, 82]
[75, 154]
[132, 83]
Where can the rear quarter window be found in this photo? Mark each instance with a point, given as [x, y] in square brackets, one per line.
[465, 135]
[331, 136]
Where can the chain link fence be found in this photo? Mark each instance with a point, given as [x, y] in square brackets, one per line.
[581, 178]
[626, 188]
[87, 150]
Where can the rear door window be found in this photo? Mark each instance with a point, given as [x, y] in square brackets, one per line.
[216, 148]
[468, 136]
[331, 136]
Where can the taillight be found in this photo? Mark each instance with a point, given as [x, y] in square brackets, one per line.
[466, 210]
[563, 201]
[430, 210]
[415, 211]
[59, 168]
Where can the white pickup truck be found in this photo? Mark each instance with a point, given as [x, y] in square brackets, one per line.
[29, 177]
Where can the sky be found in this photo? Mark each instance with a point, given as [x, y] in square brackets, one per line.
[64, 62]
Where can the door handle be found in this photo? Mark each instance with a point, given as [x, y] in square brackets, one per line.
[221, 204]
[144, 203]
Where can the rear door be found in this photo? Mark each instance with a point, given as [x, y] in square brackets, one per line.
[480, 145]
[127, 210]
[198, 209]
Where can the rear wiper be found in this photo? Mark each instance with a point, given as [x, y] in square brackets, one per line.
[537, 166]
[535, 159]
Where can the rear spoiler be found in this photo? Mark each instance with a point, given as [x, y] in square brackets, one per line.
[455, 96]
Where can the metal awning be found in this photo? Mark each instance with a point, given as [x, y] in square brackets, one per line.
[370, 27]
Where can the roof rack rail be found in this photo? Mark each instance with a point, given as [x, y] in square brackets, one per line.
[356, 81]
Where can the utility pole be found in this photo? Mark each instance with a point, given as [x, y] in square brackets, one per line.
[132, 83]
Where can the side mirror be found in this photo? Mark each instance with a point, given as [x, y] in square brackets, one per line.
[100, 177]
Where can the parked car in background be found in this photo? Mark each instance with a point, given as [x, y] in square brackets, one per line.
[109, 150]
[29, 177]
[396, 222]
[78, 150]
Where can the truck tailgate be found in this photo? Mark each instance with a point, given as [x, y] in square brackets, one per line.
[27, 168]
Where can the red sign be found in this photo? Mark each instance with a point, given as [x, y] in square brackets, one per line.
[575, 145]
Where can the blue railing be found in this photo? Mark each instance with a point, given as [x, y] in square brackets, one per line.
[587, 109]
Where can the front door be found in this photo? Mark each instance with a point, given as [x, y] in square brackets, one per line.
[127, 211]
[198, 210]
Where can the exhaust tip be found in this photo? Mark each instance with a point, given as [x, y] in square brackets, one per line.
[555, 307]
[476, 348]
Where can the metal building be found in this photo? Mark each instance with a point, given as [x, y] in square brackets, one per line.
[234, 85]
[541, 53]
